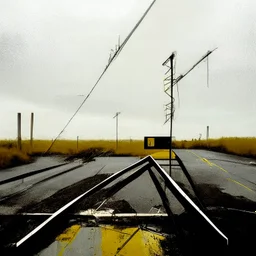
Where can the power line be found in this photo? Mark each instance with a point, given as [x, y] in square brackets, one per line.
[118, 50]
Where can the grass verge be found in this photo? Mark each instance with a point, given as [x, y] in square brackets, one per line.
[69, 147]
[232, 145]
[9, 156]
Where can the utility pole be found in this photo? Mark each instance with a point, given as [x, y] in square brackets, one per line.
[170, 60]
[31, 130]
[207, 132]
[116, 117]
[169, 83]
[19, 130]
[77, 139]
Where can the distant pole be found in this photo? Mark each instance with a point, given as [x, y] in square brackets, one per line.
[19, 130]
[207, 132]
[116, 117]
[31, 130]
[77, 138]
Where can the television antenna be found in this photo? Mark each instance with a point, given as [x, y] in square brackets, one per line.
[169, 83]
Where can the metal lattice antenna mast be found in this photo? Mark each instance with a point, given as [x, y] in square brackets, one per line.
[169, 82]
[170, 106]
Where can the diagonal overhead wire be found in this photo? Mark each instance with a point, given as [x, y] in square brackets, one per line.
[183, 75]
[118, 50]
[133, 30]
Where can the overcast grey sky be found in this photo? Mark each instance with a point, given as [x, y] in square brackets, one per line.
[53, 51]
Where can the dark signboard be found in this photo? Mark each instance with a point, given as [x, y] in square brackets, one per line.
[157, 142]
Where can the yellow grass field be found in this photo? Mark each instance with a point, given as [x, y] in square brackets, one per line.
[10, 156]
[67, 147]
[233, 145]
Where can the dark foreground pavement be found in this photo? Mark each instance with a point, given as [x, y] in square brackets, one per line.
[220, 179]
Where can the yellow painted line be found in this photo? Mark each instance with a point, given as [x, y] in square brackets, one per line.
[152, 242]
[196, 155]
[130, 241]
[162, 155]
[67, 237]
[208, 162]
[68, 234]
[201, 158]
[220, 168]
[242, 185]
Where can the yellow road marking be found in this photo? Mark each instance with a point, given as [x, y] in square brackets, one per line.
[130, 241]
[222, 169]
[208, 162]
[196, 155]
[242, 185]
[162, 155]
[67, 237]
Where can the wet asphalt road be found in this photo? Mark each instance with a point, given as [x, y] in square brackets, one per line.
[46, 189]
[232, 174]
[40, 163]
[229, 174]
